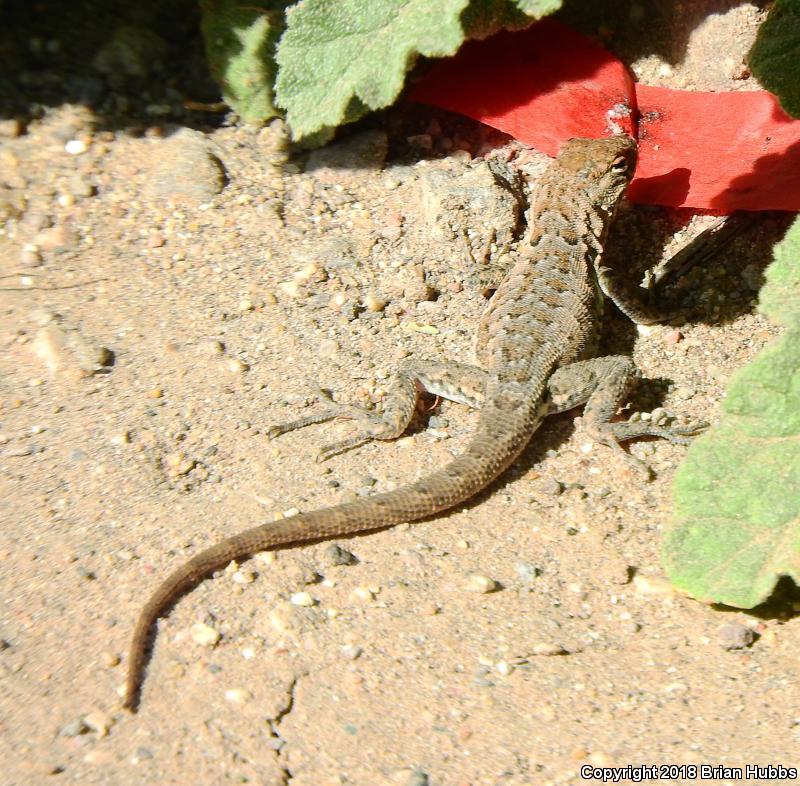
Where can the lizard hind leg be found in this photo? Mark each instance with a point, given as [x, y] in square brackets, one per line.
[454, 381]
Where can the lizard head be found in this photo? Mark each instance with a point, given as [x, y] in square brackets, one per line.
[602, 167]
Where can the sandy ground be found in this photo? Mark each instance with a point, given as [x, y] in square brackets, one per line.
[168, 294]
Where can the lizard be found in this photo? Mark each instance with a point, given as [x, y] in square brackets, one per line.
[535, 349]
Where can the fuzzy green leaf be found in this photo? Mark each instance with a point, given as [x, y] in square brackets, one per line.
[340, 56]
[483, 18]
[240, 39]
[775, 56]
[737, 495]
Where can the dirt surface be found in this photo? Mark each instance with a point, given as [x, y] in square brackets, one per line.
[167, 294]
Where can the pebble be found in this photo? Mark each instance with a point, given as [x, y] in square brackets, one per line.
[291, 288]
[418, 778]
[185, 166]
[527, 572]
[178, 464]
[205, 635]
[80, 186]
[548, 649]
[57, 238]
[477, 582]
[244, 576]
[302, 599]
[142, 754]
[109, 659]
[350, 651]
[30, 256]
[336, 555]
[236, 366]
[374, 303]
[74, 728]
[238, 695]
[156, 240]
[284, 618]
[653, 585]
[363, 594]
[99, 722]
[735, 636]
[75, 147]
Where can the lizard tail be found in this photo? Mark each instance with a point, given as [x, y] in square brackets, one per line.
[487, 456]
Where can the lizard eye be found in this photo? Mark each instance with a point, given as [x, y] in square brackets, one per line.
[620, 165]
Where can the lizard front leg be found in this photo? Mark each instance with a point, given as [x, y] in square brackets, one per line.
[601, 383]
[454, 381]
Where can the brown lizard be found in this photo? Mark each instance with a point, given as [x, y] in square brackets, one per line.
[535, 348]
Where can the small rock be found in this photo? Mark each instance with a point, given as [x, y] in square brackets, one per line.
[548, 649]
[213, 348]
[284, 618]
[244, 576]
[156, 240]
[336, 555]
[653, 585]
[57, 238]
[80, 186]
[302, 599]
[74, 728]
[735, 636]
[186, 167]
[62, 347]
[363, 594]
[477, 582]
[109, 659]
[205, 635]
[30, 256]
[350, 651]
[75, 147]
[236, 366]
[374, 303]
[99, 722]
[418, 778]
[527, 572]
[238, 695]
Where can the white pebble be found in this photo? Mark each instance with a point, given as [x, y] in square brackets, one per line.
[75, 147]
[363, 594]
[653, 585]
[205, 635]
[302, 599]
[477, 582]
[238, 695]
[244, 577]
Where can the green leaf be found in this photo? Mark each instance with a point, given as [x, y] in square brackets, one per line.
[338, 57]
[775, 56]
[240, 39]
[336, 49]
[736, 527]
[483, 18]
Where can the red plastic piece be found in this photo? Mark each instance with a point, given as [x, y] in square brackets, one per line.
[721, 151]
[544, 85]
